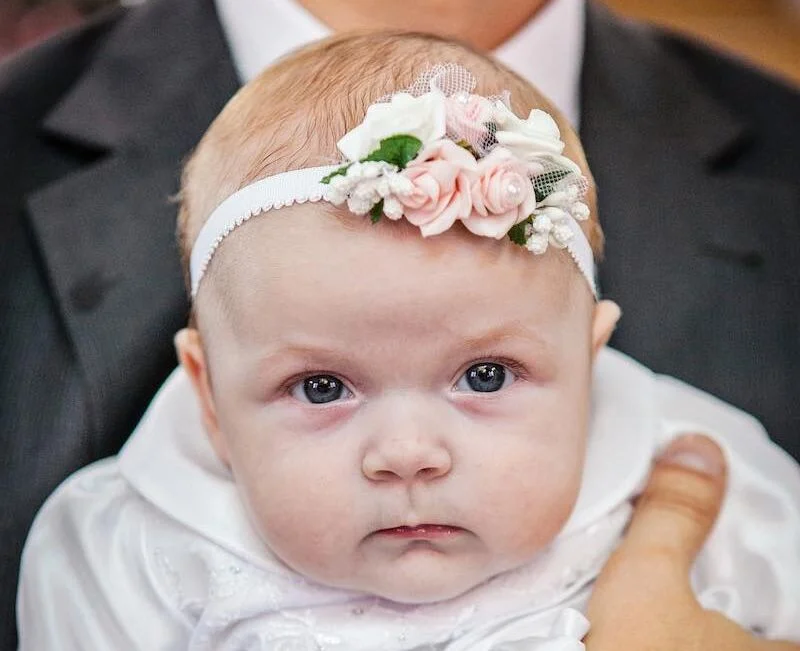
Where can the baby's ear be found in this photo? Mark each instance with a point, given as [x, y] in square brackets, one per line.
[192, 357]
[606, 315]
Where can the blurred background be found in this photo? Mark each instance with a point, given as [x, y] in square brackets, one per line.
[765, 32]
[24, 22]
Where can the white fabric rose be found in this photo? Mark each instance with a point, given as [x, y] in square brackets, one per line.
[424, 117]
[536, 138]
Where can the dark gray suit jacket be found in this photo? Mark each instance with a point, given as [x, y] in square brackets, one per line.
[696, 159]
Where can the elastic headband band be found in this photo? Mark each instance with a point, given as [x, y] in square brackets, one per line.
[278, 191]
[302, 186]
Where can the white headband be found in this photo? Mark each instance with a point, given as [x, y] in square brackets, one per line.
[435, 154]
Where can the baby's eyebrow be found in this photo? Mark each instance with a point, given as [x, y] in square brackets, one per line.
[485, 340]
[504, 332]
[290, 354]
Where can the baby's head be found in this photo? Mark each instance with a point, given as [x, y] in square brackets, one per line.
[404, 415]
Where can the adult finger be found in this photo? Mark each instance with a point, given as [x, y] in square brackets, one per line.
[680, 504]
[672, 519]
[646, 580]
[643, 597]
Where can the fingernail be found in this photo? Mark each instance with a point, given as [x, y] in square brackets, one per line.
[694, 452]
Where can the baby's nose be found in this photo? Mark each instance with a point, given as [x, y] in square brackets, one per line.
[406, 458]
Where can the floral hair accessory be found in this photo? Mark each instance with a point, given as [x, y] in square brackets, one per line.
[436, 154]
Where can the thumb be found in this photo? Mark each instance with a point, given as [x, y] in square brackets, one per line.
[649, 570]
[680, 503]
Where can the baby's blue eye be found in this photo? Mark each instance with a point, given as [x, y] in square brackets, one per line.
[485, 377]
[319, 389]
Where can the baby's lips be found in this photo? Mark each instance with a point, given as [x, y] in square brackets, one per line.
[422, 531]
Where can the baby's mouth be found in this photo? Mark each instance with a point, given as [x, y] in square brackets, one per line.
[421, 532]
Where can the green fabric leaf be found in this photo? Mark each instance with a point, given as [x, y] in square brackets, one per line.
[464, 144]
[517, 232]
[340, 172]
[397, 150]
[544, 184]
[376, 212]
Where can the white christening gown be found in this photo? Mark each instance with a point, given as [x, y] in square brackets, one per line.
[153, 550]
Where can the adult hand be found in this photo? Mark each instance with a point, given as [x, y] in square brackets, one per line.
[643, 600]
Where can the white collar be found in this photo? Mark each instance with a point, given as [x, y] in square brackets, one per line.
[547, 51]
[623, 402]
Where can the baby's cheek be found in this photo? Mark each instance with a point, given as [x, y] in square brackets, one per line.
[305, 525]
[536, 506]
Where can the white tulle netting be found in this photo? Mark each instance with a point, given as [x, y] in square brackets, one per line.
[455, 81]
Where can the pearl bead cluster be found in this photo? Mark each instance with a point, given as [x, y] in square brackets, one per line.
[364, 184]
[551, 224]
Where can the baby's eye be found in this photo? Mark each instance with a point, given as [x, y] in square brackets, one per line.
[319, 389]
[485, 377]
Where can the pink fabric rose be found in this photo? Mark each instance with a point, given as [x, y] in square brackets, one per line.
[441, 176]
[467, 116]
[502, 195]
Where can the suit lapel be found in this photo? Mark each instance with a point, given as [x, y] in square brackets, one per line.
[106, 233]
[662, 151]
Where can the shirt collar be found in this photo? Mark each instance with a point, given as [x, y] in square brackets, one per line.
[547, 51]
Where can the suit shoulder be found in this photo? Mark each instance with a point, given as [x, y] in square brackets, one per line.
[769, 105]
[34, 79]
[726, 73]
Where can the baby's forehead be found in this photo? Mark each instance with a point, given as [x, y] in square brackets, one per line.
[322, 255]
[299, 238]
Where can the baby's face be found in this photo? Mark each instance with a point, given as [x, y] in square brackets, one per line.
[404, 416]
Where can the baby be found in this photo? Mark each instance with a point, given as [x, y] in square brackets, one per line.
[395, 425]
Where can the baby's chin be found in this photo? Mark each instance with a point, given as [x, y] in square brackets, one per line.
[426, 587]
[427, 592]
[421, 595]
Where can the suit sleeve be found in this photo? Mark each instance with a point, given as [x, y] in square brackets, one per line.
[750, 567]
[88, 581]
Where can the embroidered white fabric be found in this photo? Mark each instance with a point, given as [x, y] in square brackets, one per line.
[153, 549]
